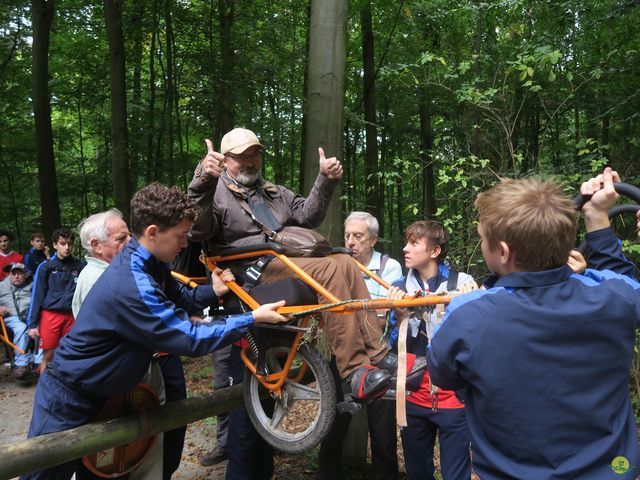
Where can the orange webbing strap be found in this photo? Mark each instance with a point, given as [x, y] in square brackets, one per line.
[401, 377]
[5, 336]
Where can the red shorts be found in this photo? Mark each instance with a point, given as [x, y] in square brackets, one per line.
[54, 326]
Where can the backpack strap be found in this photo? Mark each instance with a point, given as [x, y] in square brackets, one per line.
[383, 263]
[452, 281]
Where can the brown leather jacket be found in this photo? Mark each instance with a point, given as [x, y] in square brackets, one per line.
[225, 218]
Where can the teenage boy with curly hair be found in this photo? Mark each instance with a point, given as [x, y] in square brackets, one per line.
[134, 309]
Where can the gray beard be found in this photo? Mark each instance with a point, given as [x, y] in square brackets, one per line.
[247, 179]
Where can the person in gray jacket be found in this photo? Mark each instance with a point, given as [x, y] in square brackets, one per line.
[236, 205]
[15, 299]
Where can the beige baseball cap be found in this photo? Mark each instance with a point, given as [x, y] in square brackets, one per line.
[238, 140]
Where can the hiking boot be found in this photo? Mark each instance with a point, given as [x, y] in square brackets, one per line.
[20, 372]
[367, 383]
[213, 457]
[389, 363]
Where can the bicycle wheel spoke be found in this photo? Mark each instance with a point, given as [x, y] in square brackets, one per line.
[279, 412]
[297, 391]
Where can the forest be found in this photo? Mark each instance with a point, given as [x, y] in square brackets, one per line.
[426, 102]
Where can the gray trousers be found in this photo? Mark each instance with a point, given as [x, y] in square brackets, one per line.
[221, 379]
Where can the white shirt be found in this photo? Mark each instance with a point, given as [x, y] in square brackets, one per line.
[88, 276]
[392, 272]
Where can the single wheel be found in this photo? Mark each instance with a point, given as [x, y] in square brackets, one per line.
[303, 416]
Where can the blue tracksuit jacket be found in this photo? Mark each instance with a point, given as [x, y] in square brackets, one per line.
[544, 359]
[53, 287]
[134, 309]
[33, 258]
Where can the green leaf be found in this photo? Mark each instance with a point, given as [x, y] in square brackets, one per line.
[569, 76]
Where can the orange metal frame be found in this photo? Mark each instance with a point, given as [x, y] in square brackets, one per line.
[4, 336]
[274, 381]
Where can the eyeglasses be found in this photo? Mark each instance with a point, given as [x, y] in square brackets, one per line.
[257, 154]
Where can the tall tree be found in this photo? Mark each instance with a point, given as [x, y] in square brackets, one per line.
[325, 97]
[374, 193]
[226, 117]
[119, 134]
[42, 16]
[169, 88]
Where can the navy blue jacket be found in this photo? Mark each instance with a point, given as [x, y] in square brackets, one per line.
[544, 359]
[33, 258]
[53, 287]
[134, 309]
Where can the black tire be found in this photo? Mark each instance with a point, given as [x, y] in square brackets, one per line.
[318, 408]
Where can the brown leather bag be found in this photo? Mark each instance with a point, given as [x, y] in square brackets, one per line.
[302, 242]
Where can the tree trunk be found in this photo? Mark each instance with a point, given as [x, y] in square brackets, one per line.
[325, 97]
[305, 88]
[372, 181]
[278, 160]
[476, 132]
[226, 98]
[42, 15]
[426, 157]
[119, 154]
[169, 91]
[136, 112]
[604, 140]
[151, 108]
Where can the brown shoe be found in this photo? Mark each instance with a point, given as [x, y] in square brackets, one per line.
[213, 457]
[20, 372]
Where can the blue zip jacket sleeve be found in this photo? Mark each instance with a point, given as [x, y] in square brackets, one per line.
[604, 252]
[544, 359]
[134, 309]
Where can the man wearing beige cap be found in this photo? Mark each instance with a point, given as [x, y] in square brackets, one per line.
[236, 203]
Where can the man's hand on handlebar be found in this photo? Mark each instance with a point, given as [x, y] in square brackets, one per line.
[267, 313]
[396, 293]
[603, 197]
[219, 278]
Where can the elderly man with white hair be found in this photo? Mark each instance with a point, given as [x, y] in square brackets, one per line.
[103, 235]
[360, 236]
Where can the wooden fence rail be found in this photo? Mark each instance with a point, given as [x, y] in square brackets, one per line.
[55, 448]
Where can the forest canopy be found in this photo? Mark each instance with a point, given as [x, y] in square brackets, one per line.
[440, 99]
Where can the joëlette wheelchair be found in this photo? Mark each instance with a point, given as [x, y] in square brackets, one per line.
[283, 363]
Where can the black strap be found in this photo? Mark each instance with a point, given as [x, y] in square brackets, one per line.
[254, 272]
[452, 281]
[262, 214]
[15, 304]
